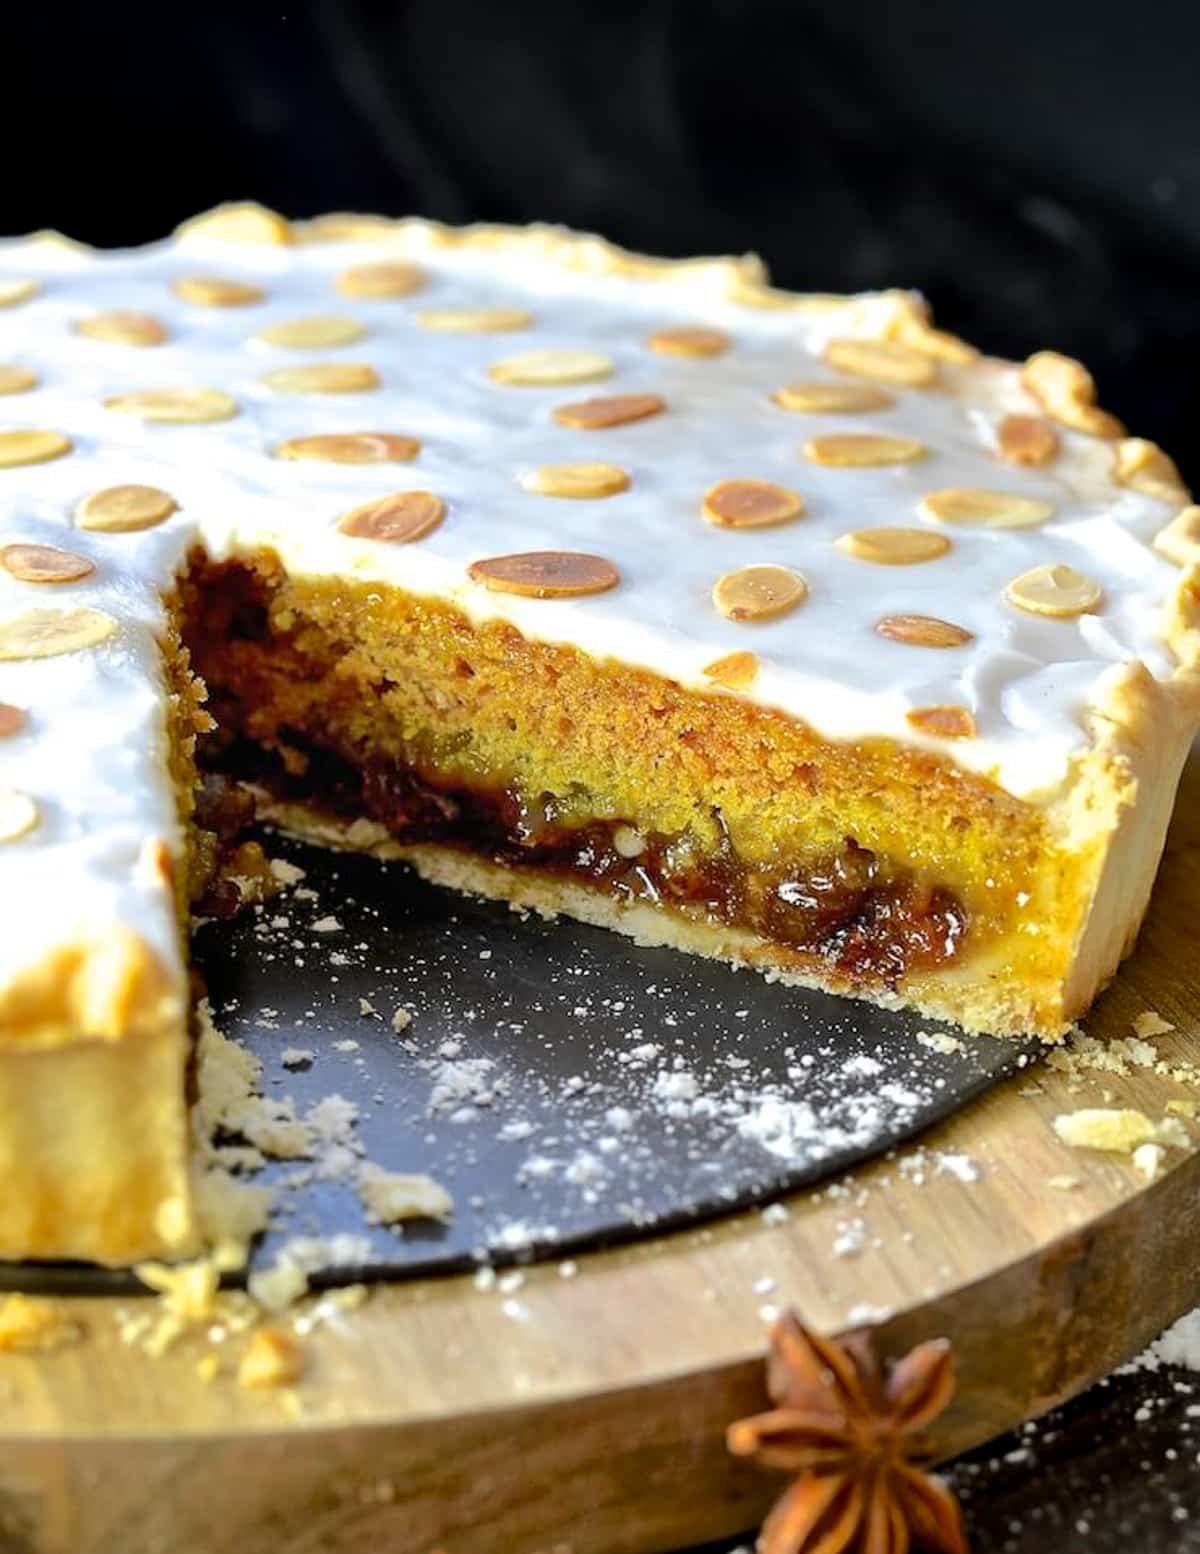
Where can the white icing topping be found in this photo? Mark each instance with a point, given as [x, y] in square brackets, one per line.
[92, 752]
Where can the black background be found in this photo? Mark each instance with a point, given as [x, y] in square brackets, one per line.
[1033, 167]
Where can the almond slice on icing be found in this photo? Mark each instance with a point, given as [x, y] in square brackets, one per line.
[12, 719]
[893, 547]
[15, 289]
[922, 631]
[863, 450]
[1054, 589]
[832, 398]
[318, 331]
[17, 380]
[750, 504]
[49, 633]
[983, 509]
[181, 406]
[18, 814]
[123, 326]
[945, 722]
[386, 278]
[609, 410]
[44, 564]
[576, 480]
[735, 671]
[398, 519]
[1027, 439]
[884, 360]
[546, 574]
[1066, 391]
[324, 378]
[689, 341]
[475, 321]
[216, 291]
[124, 509]
[760, 593]
[351, 448]
[545, 369]
[31, 446]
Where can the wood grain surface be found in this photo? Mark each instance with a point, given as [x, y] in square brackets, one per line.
[585, 1415]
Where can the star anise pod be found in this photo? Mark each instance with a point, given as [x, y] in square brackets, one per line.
[851, 1434]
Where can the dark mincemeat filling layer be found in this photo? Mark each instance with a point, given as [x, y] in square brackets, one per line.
[869, 924]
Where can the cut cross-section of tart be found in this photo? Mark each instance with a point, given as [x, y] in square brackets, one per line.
[781, 629]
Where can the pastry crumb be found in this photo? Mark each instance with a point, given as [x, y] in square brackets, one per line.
[28, 1323]
[1119, 1131]
[939, 1041]
[401, 1019]
[1148, 1159]
[390, 1197]
[272, 1358]
[1148, 1024]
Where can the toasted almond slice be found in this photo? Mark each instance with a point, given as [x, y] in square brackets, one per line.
[750, 504]
[15, 289]
[216, 291]
[123, 326]
[18, 814]
[884, 360]
[12, 720]
[832, 398]
[351, 448]
[1144, 467]
[124, 509]
[385, 278]
[31, 446]
[48, 633]
[17, 380]
[1067, 392]
[318, 331]
[324, 378]
[546, 574]
[398, 519]
[922, 631]
[761, 593]
[689, 341]
[980, 508]
[181, 406]
[948, 722]
[576, 480]
[545, 369]
[863, 450]
[893, 547]
[609, 410]
[242, 221]
[1027, 439]
[475, 321]
[44, 564]
[735, 671]
[1054, 589]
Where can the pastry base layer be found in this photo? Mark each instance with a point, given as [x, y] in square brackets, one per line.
[535, 773]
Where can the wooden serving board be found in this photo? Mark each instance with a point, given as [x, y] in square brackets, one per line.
[586, 1415]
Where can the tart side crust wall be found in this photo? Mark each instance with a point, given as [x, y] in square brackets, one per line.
[93, 1129]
